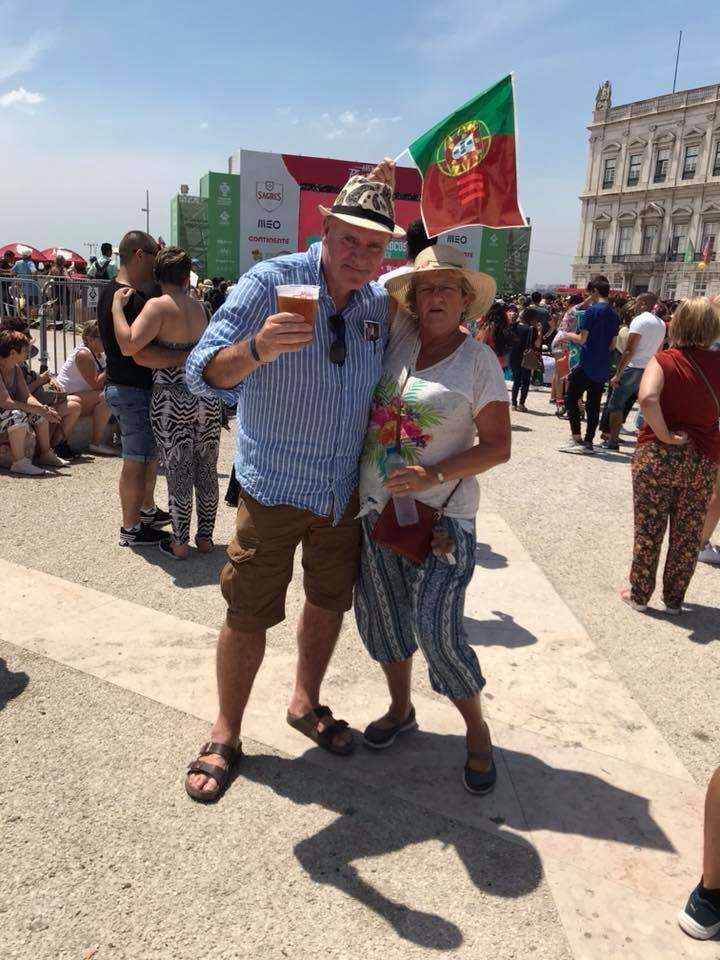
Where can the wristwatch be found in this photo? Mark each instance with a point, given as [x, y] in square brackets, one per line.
[254, 351]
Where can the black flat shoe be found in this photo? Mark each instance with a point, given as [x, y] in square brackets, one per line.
[378, 738]
[476, 781]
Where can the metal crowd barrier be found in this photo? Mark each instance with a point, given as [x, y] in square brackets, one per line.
[56, 307]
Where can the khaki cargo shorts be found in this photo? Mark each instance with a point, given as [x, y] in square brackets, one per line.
[254, 582]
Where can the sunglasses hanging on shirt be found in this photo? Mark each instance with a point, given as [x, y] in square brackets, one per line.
[338, 348]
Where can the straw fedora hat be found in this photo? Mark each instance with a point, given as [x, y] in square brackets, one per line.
[443, 256]
[365, 203]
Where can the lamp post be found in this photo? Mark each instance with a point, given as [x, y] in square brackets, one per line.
[146, 211]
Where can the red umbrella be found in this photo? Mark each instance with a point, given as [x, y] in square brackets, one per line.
[69, 256]
[20, 248]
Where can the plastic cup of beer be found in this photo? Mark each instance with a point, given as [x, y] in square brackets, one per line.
[299, 298]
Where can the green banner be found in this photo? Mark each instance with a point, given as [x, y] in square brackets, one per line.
[189, 228]
[222, 192]
[504, 254]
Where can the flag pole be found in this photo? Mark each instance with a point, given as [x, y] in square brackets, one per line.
[401, 155]
[677, 61]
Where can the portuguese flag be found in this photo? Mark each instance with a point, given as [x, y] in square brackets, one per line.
[467, 163]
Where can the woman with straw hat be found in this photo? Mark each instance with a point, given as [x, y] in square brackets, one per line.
[442, 407]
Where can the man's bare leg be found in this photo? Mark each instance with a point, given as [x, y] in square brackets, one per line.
[616, 422]
[149, 490]
[317, 635]
[132, 491]
[238, 660]
[711, 854]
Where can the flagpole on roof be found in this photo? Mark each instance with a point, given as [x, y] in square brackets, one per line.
[677, 61]
[401, 155]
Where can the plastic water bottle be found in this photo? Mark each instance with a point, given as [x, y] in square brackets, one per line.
[405, 509]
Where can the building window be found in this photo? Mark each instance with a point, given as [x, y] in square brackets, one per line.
[649, 236]
[624, 240]
[633, 177]
[710, 233]
[670, 290]
[662, 165]
[716, 165]
[599, 242]
[609, 172]
[700, 286]
[690, 165]
[679, 241]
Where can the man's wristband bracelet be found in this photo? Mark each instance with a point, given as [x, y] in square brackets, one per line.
[253, 350]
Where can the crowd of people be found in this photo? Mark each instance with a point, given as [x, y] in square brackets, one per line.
[405, 402]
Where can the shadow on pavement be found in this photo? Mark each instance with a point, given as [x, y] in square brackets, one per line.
[516, 428]
[486, 558]
[11, 684]
[700, 621]
[611, 456]
[199, 570]
[503, 632]
[703, 622]
[378, 822]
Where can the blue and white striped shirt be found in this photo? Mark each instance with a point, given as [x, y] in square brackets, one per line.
[301, 420]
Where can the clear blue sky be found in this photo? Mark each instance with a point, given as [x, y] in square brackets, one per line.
[100, 101]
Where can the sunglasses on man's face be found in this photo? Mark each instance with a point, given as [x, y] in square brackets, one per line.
[338, 348]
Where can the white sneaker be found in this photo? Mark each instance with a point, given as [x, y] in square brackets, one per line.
[710, 554]
[51, 459]
[575, 446]
[672, 611]
[103, 450]
[27, 468]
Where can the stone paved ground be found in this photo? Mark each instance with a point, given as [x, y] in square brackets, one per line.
[572, 514]
[92, 800]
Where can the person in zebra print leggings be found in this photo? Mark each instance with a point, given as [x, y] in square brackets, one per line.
[186, 427]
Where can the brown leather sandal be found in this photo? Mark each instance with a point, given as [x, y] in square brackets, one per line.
[221, 775]
[308, 725]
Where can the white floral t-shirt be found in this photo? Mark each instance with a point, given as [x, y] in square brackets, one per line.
[436, 410]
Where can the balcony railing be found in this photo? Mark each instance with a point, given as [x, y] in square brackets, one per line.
[716, 170]
[659, 177]
[688, 174]
[679, 257]
[638, 258]
[608, 183]
[671, 101]
[645, 258]
[633, 181]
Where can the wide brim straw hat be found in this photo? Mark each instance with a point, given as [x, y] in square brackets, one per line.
[445, 257]
[365, 203]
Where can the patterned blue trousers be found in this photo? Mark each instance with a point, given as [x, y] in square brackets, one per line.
[400, 606]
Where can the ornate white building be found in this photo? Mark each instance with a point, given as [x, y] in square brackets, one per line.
[650, 209]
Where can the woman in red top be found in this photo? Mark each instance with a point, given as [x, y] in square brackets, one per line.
[677, 456]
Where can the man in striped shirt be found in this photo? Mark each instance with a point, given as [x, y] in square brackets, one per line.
[303, 400]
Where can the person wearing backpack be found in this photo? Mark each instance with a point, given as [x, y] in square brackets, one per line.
[103, 268]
